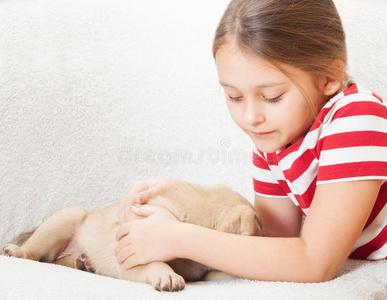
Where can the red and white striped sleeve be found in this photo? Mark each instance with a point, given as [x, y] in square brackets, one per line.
[264, 181]
[353, 145]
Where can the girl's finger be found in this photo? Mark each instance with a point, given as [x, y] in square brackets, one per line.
[145, 196]
[124, 254]
[125, 241]
[122, 231]
[130, 262]
[145, 210]
[140, 192]
[125, 206]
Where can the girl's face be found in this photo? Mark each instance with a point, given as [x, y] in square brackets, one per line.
[263, 101]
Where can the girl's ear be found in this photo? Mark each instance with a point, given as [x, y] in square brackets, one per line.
[331, 84]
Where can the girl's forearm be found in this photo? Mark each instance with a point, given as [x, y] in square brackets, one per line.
[260, 258]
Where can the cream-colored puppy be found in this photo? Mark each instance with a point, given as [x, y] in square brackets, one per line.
[77, 239]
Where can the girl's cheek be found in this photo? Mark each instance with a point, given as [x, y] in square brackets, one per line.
[237, 118]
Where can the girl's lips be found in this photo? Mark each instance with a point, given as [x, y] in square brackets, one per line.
[262, 134]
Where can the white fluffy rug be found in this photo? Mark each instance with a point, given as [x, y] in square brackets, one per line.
[25, 279]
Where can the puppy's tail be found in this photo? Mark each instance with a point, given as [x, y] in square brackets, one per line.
[22, 238]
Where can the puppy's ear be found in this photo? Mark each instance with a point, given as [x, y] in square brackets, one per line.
[251, 224]
[241, 219]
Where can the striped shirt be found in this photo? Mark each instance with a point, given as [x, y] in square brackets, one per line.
[350, 144]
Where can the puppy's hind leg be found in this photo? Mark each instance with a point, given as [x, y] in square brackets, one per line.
[215, 275]
[51, 237]
[77, 260]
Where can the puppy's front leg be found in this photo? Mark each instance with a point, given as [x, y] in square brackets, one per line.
[158, 274]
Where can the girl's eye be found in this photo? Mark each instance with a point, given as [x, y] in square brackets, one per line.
[273, 100]
[234, 99]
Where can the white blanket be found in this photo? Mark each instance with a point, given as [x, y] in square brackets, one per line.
[22, 279]
[95, 94]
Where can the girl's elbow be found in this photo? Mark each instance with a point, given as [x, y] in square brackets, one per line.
[312, 277]
[319, 266]
[319, 278]
[314, 270]
[308, 275]
[320, 273]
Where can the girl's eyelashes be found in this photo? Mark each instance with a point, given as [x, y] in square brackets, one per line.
[234, 99]
[270, 100]
[274, 100]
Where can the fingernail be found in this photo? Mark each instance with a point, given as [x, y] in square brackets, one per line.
[140, 198]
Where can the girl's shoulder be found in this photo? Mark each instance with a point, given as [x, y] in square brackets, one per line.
[354, 102]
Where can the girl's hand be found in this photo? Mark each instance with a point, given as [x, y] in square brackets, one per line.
[141, 191]
[147, 240]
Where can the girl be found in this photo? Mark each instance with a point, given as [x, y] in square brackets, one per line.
[321, 151]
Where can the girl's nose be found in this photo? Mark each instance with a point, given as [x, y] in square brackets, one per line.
[254, 114]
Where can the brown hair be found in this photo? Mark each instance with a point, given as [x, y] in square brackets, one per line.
[306, 34]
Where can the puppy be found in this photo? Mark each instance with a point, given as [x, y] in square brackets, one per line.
[74, 238]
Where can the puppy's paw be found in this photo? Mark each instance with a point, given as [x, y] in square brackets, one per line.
[15, 251]
[242, 220]
[168, 282]
[83, 263]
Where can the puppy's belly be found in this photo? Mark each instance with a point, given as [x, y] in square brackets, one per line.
[71, 248]
[96, 238]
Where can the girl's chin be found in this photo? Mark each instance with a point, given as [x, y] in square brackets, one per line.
[268, 148]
